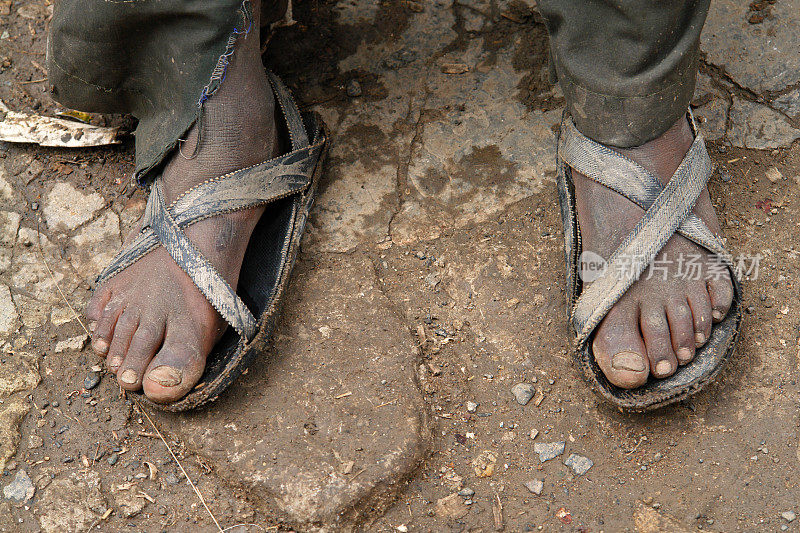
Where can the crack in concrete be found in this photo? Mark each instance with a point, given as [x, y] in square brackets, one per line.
[403, 166]
[732, 87]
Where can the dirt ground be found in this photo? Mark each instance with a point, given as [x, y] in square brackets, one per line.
[430, 283]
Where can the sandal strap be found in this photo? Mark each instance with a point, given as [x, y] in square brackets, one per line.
[186, 255]
[294, 120]
[627, 178]
[664, 215]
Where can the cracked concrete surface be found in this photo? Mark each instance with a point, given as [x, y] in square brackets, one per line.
[430, 277]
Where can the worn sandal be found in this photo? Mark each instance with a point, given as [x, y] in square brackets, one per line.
[668, 209]
[288, 184]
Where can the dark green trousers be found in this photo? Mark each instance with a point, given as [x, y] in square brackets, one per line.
[627, 67]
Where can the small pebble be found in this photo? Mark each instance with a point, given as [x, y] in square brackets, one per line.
[523, 392]
[112, 459]
[91, 380]
[789, 516]
[353, 88]
[549, 450]
[466, 492]
[579, 464]
[472, 407]
[535, 486]
[21, 489]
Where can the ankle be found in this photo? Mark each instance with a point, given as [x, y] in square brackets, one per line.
[662, 155]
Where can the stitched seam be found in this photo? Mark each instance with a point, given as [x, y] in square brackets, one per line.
[99, 87]
[220, 69]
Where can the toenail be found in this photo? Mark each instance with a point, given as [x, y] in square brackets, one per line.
[114, 362]
[166, 376]
[716, 314]
[129, 377]
[101, 346]
[663, 368]
[628, 361]
[684, 354]
[699, 339]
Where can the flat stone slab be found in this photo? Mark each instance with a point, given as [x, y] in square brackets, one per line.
[761, 57]
[759, 127]
[330, 422]
[68, 208]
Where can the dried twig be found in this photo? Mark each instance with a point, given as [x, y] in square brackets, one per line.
[175, 458]
[53, 277]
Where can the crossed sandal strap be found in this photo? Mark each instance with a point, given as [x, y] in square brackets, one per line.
[260, 184]
[186, 255]
[665, 214]
[629, 179]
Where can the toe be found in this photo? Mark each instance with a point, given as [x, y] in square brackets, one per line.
[658, 341]
[176, 368]
[619, 349]
[104, 329]
[681, 330]
[720, 292]
[700, 302]
[126, 326]
[98, 302]
[143, 346]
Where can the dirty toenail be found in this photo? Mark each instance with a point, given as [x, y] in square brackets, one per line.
[166, 376]
[716, 314]
[663, 368]
[128, 376]
[699, 339]
[101, 346]
[114, 362]
[628, 361]
[684, 354]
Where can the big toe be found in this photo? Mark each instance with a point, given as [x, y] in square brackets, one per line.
[174, 371]
[619, 349]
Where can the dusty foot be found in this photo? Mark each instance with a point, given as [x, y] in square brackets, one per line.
[152, 324]
[659, 322]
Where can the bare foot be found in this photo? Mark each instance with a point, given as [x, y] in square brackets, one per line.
[153, 325]
[660, 321]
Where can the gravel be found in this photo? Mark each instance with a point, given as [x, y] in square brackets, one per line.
[472, 407]
[789, 516]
